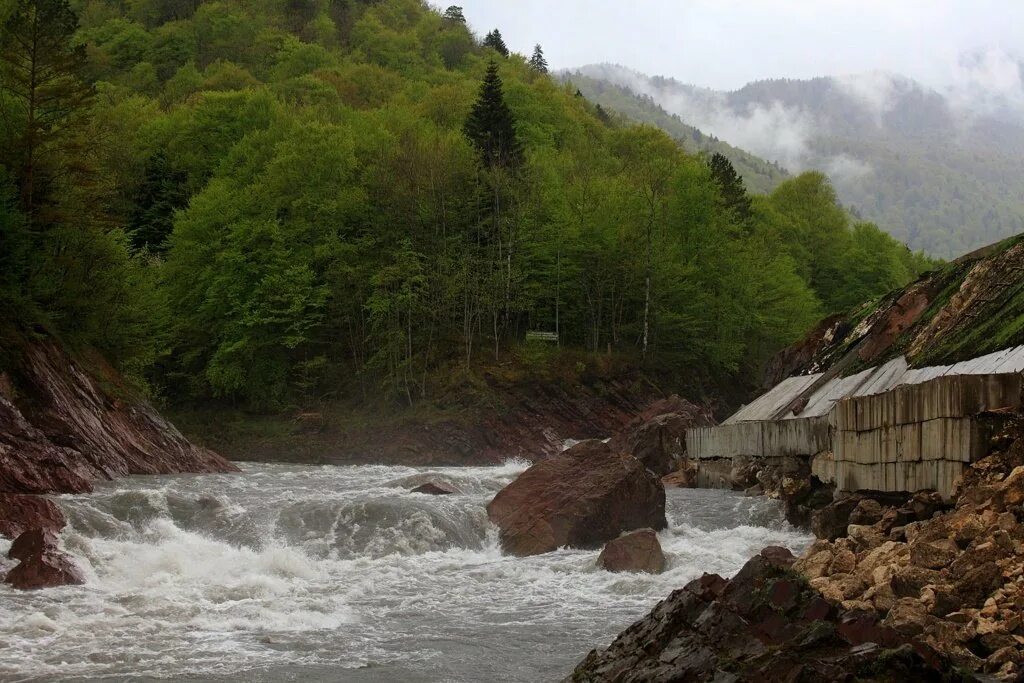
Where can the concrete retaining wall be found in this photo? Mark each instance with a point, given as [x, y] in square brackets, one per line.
[917, 436]
[800, 436]
[907, 438]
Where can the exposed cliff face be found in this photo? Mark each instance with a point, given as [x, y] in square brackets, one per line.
[62, 426]
[970, 307]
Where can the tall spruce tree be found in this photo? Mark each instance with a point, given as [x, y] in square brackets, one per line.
[491, 126]
[537, 61]
[161, 193]
[41, 91]
[730, 186]
[494, 41]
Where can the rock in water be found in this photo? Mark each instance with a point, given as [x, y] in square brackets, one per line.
[582, 498]
[32, 542]
[637, 551]
[765, 624]
[19, 513]
[434, 488]
[41, 563]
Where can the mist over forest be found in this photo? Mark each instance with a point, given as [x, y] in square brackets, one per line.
[939, 170]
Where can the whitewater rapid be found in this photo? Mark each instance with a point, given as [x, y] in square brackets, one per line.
[288, 572]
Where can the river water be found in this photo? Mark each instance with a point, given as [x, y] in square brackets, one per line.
[292, 572]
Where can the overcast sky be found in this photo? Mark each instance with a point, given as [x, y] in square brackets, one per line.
[726, 43]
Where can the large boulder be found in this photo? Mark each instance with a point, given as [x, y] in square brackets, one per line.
[582, 498]
[636, 551]
[42, 564]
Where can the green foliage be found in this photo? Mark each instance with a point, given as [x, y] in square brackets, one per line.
[730, 187]
[293, 200]
[490, 126]
[494, 41]
[537, 61]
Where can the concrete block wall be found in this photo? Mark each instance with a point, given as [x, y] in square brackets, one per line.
[911, 437]
[917, 436]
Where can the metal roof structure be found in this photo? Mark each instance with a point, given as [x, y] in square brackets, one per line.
[881, 379]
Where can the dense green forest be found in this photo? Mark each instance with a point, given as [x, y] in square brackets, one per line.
[278, 202]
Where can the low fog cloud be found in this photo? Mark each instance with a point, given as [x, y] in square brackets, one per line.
[771, 131]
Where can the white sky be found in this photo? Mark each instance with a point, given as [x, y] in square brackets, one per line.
[726, 43]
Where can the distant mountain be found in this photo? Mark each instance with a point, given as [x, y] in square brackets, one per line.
[758, 175]
[943, 172]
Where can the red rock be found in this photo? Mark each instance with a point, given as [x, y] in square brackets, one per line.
[69, 429]
[33, 542]
[778, 556]
[636, 551]
[581, 498]
[657, 437]
[42, 564]
[684, 478]
[19, 513]
[45, 570]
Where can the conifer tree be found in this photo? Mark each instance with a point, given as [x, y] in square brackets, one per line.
[454, 13]
[41, 89]
[537, 61]
[730, 186]
[491, 126]
[494, 41]
[161, 193]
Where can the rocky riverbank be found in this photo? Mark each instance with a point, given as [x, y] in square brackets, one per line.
[763, 624]
[954, 579]
[896, 587]
[64, 423]
[500, 412]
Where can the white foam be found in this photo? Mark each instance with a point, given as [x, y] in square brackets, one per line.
[297, 567]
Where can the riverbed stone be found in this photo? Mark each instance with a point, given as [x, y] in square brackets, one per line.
[434, 488]
[636, 551]
[41, 563]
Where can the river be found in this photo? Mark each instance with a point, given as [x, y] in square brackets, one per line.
[323, 573]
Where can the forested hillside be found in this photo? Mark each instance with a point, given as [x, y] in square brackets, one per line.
[940, 175]
[274, 203]
[618, 100]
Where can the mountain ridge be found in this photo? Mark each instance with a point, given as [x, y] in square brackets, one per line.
[938, 176]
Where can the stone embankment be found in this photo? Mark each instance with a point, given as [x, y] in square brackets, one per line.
[950, 578]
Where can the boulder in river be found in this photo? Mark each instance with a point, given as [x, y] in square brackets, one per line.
[581, 498]
[636, 551]
[434, 488]
[41, 563]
